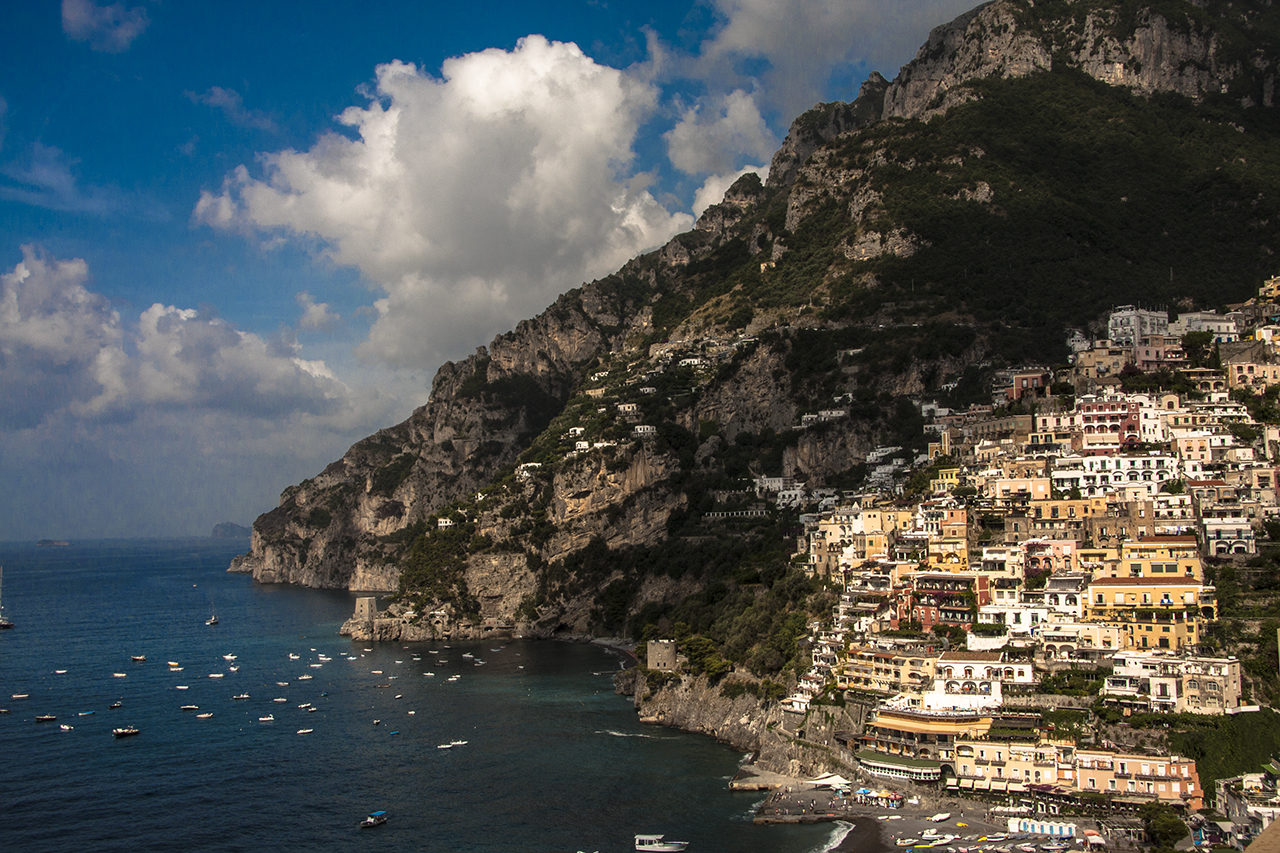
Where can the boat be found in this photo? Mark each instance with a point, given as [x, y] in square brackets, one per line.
[374, 819]
[458, 742]
[115, 704]
[280, 699]
[171, 663]
[444, 746]
[293, 656]
[656, 843]
[137, 658]
[119, 675]
[59, 672]
[907, 842]
[1053, 845]
[940, 817]
[269, 718]
[189, 708]
[4, 623]
[45, 718]
[304, 677]
[213, 618]
[19, 695]
[206, 715]
[176, 668]
[65, 727]
[85, 713]
[241, 696]
[125, 731]
[229, 657]
[216, 674]
[305, 731]
[234, 668]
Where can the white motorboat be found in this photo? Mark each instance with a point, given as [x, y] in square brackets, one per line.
[269, 718]
[657, 844]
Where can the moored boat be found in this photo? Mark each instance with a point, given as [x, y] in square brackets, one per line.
[125, 731]
[45, 718]
[137, 658]
[657, 844]
[374, 819]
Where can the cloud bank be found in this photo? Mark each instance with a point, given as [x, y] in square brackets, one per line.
[90, 400]
[472, 199]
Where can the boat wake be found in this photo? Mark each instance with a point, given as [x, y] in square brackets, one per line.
[625, 734]
[838, 833]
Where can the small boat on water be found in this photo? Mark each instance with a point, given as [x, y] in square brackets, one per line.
[304, 677]
[656, 844]
[45, 718]
[176, 668]
[305, 731]
[119, 675]
[59, 672]
[458, 742]
[216, 674]
[19, 695]
[213, 619]
[293, 656]
[374, 819]
[171, 663]
[444, 746]
[125, 731]
[137, 658]
[269, 718]
[115, 704]
[280, 699]
[181, 687]
[65, 727]
[190, 708]
[228, 657]
[206, 715]
[241, 696]
[85, 713]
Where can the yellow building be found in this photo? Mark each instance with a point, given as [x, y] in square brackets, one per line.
[1153, 612]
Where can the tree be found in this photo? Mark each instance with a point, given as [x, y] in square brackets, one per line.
[1164, 827]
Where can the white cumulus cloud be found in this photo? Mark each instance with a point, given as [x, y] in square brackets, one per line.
[315, 315]
[471, 199]
[716, 132]
[107, 29]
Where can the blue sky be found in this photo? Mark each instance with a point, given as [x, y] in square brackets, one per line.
[237, 237]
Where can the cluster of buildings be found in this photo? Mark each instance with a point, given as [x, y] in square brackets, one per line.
[1068, 531]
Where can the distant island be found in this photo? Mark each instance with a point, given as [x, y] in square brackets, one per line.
[227, 530]
[52, 543]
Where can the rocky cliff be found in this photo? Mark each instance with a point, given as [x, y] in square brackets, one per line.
[1035, 163]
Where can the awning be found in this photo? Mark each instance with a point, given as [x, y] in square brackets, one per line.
[828, 780]
[966, 783]
[981, 785]
[1017, 787]
[998, 785]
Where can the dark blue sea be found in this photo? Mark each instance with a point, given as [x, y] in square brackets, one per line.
[553, 760]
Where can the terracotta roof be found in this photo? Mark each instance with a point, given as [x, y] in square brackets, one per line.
[971, 657]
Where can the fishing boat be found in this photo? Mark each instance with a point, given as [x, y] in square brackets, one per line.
[374, 819]
[656, 844]
[4, 623]
[125, 731]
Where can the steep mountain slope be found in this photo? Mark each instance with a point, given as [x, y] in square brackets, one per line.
[1034, 165]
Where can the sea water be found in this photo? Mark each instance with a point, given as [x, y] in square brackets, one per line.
[553, 759]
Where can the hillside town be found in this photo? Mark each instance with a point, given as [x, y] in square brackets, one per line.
[1063, 526]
